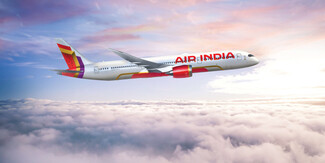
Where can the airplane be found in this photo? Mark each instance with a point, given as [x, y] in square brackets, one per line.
[132, 67]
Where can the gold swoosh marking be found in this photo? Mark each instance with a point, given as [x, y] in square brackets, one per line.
[66, 51]
[209, 66]
[131, 73]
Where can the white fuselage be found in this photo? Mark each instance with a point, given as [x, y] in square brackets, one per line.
[200, 62]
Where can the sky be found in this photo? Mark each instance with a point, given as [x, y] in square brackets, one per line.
[271, 112]
[286, 36]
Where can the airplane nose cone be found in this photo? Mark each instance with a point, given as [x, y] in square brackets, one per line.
[256, 61]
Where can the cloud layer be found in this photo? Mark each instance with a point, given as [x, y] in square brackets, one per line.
[35, 130]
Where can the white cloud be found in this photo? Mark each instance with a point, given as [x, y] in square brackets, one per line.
[294, 72]
[267, 130]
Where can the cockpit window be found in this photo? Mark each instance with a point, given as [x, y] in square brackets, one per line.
[250, 55]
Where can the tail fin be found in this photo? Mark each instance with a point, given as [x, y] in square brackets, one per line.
[71, 56]
[75, 61]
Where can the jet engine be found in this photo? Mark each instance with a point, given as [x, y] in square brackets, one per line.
[183, 71]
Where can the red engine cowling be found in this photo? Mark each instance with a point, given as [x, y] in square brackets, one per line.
[184, 71]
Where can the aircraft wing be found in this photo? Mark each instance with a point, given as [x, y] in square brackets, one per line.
[151, 66]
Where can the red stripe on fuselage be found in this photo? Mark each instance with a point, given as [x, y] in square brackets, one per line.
[195, 70]
[148, 75]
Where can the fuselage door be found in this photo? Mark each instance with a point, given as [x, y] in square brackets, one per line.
[198, 60]
[96, 69]
[239, 57]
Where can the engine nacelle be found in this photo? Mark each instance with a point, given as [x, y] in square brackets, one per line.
[184, 71]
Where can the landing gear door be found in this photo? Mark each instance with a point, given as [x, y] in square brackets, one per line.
[239, 57]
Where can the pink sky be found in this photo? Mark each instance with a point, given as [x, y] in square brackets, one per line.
[287, 36]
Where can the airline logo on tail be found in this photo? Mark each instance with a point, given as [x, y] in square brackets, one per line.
[73, 61]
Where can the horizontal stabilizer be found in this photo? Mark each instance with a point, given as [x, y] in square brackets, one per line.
[66, 71]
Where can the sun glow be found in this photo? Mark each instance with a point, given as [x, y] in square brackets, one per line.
[296, 71]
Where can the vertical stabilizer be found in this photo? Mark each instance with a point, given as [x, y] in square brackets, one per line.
[73, 58]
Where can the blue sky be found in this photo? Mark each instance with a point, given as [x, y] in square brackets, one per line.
[283, 35]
